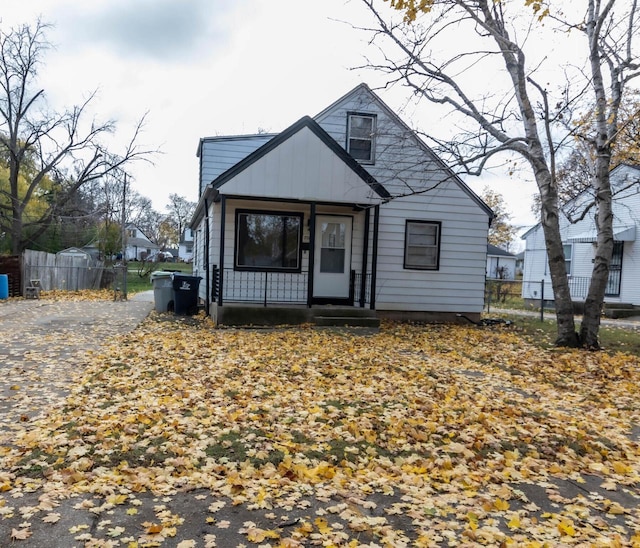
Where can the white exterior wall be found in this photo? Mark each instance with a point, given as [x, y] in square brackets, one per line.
[494, 262]
[626, 209]
[404, 166]
[458, 284]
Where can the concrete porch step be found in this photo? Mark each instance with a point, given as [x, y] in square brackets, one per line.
[347, 321]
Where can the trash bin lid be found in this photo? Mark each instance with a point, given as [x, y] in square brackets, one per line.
[158, 274]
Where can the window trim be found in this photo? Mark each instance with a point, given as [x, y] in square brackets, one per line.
[374, 117]
[408, 266]
[236, 237]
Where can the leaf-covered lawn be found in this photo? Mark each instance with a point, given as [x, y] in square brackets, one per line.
[421, 436]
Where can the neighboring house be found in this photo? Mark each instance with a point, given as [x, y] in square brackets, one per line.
[77, 254]
[185, 246]
[500, 263]
[350, 208]
[519, 264]
[579, 246]
[138, 245]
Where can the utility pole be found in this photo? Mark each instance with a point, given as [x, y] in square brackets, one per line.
[125, 268]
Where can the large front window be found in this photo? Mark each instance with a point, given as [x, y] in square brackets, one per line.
[422, 245]
[268, 240]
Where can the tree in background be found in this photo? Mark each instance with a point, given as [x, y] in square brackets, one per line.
[41, 146]
[501, 232]
[494, 85]
[180, 212]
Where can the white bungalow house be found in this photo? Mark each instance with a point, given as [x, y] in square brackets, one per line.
[579, 239]
[185, 246]
[138, 245]
[347, 209]
[500, 263]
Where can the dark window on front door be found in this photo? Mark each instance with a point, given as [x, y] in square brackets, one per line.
[615, 271]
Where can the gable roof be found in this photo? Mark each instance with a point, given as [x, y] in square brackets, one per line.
[418, 141]
[311, 124]
[498, 252]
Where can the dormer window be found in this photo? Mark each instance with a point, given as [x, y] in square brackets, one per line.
[360, 137]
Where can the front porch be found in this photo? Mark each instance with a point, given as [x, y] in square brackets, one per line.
[277, 298]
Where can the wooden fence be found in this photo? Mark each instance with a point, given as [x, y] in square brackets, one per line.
[10, 265]
[61, 272]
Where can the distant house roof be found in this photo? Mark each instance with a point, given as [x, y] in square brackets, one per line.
[74, 252]
[497, 252]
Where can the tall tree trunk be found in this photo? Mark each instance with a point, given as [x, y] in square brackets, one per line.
[606, 122]
[567, 335]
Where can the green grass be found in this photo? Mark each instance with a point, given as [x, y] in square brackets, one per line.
[138, 277]
[543, 334]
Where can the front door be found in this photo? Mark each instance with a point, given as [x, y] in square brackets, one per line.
[332, 259]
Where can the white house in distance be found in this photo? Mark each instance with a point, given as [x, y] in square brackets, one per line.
[138, 246]
[500, 263]
[185, 246]
[349, 209]
[623, 289]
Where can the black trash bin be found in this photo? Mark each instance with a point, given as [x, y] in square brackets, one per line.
[185, 289]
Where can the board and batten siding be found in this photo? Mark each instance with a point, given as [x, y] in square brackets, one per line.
[458, 284]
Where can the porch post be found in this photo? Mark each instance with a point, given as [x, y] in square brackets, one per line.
[223, 215]
[374, 257]
[365, 257]
[312, 243]
[207, 269]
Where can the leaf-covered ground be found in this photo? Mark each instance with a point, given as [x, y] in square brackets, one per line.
[414, 436]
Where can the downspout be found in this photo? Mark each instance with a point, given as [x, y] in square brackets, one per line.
[206, 257]
[365, 257]
[374, 257]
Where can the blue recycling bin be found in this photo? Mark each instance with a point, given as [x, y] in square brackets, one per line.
[185, 292]
[4, 286]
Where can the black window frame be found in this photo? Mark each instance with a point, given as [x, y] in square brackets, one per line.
[406, 264]
[374, 126]
[236, 237]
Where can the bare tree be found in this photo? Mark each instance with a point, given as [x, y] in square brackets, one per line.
[445, 50]
[180, 212]
[40, 145]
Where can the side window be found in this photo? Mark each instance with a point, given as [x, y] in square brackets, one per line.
[361, 130]
[422, 245]
[567, 249]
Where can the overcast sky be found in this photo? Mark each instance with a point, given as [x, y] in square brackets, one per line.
[210, 67]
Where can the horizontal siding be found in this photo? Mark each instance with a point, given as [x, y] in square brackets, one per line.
[220, 154]
[458, 285]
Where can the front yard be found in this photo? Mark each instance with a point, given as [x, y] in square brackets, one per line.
[414, 436]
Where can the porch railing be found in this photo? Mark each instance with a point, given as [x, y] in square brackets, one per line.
[276, 287]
